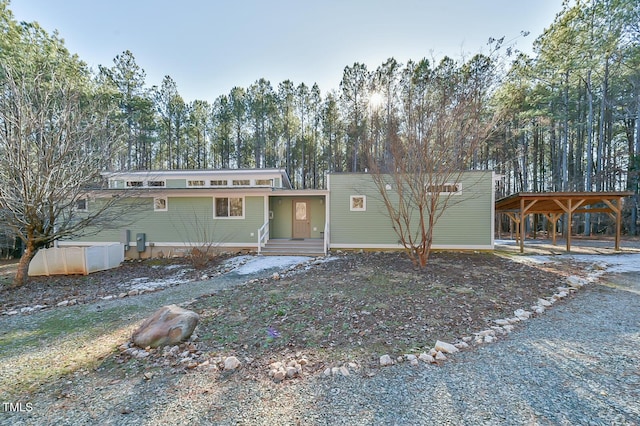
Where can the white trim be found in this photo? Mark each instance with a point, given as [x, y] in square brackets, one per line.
[358, 209]
[401, 247]
[157, 244]
[229, 197]
[166, 204]
[456, 184]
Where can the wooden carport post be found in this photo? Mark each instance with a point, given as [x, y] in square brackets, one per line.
[553, 217]
[617, 209]
[569, 209]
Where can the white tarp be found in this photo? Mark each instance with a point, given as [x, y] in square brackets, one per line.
[76, 260]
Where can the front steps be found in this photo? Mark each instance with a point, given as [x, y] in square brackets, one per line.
[293, 247]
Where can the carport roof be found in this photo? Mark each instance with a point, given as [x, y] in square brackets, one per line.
[555, 204]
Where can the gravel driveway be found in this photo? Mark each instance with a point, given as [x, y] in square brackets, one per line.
[578, 363]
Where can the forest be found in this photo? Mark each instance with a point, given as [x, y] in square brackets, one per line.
[564, 119]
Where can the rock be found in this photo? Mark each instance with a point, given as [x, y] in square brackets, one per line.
[279, 375]
[122, 295]
[10, 313]
[574, 281]
[132, 293]
[544, 302]
[231, 363]
[502, 321]
[385, 360]
[522, 314]
[489, 339]
[344, 371]
[461, 345]
[327, 372]
[508, 328]
[410, 357]
[276, 276]
[426, 357]
[538, 309]
[445, 347]
[63, 303]
[414, 361]
[291, 372]
[440, 356]
[167, 326]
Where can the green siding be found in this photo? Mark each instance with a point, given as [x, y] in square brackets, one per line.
[176, 183]
[282, 208]
[188, 220]
[466, 222]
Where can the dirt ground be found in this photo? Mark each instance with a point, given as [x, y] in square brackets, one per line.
[352, 306]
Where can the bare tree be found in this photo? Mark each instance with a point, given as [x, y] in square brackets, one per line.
[52, 147]
[421, 177]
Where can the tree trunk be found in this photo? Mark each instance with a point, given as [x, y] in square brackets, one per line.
[22, 274]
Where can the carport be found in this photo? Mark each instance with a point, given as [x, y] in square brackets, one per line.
[555, 204]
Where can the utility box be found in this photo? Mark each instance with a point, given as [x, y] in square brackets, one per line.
[141, 242]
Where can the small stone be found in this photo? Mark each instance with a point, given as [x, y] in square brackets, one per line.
[414, 362]
[426, 357]
[489, 339]
[231, 363]
[461, 345]
[433, 352]
[467, 339]
[141, 354]
[353, 365]
[275, 276]
[344, 371]
[303, 361]
[440, 356]
[122, 295]
[335, 371]
[522, 314]
[279, 375]
[576, 281]
[73, 302]
[10, 313]
[276, 365]
[502, 321]
[486, 333]
[445, 347]
[385, 360]
[291, 372]
[107, 297]
[132, 292]
[538, 309]
[327, 372]
[544, 302]
[508, 328]
[63, 303]
[148, 375]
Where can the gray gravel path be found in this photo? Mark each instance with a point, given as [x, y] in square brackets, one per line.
[576, 364]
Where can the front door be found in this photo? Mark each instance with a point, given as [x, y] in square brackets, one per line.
[301, 219]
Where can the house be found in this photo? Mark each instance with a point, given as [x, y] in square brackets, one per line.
[257, 209]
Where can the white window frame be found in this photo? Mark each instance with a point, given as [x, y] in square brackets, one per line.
[215, 208]
[457, 185]
[155, 205]
[358, 209]
[241, 182]
[86, 205]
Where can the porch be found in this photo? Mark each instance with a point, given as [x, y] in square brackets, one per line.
[295, 224]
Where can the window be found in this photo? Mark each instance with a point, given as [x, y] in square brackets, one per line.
[195, 183]
[155, 183]
[229, 207]
[81, 204]
[160, 204]
[358, 203]
[220, 182]
[134, 183]
[241, 182]
[264, 182]
[446, 188]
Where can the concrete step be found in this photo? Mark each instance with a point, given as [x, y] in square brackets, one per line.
[291, 247]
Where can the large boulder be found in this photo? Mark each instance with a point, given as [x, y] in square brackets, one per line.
[169, 325]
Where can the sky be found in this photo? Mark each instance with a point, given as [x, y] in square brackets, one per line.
[209, 46]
